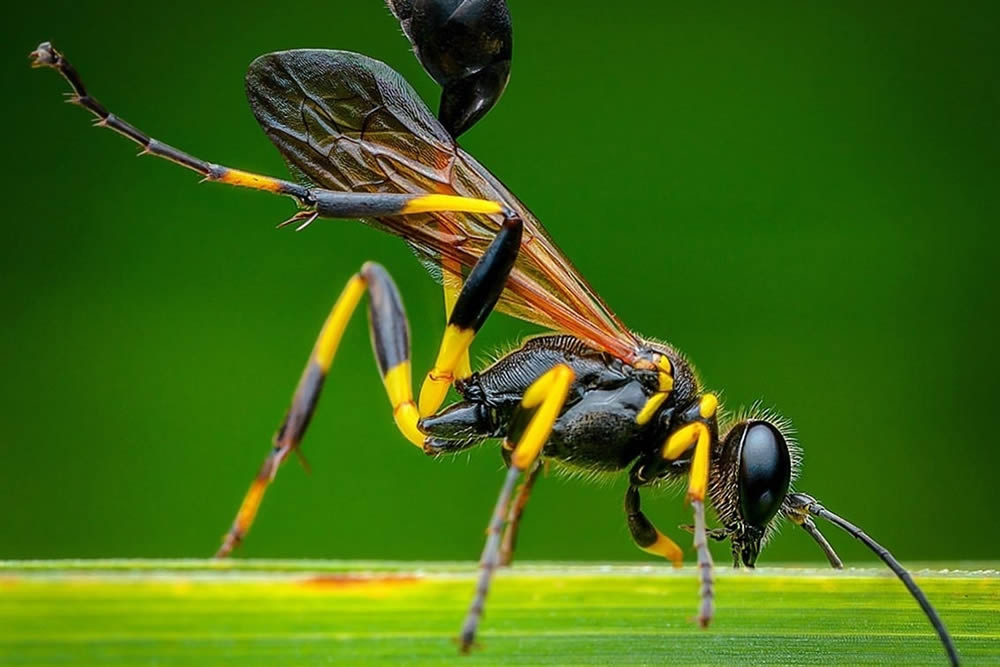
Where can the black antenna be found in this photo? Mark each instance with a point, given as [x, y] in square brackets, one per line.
[809, 504]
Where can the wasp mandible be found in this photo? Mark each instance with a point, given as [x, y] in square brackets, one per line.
[590, 395]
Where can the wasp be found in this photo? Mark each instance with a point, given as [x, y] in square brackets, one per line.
[591, 394]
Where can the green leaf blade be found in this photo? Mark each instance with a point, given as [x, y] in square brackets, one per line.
[203, 612]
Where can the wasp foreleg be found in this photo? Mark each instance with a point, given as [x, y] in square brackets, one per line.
[698, 434]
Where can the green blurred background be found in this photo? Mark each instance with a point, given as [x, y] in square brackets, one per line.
[801, 196]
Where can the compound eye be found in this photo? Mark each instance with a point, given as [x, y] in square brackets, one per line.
[765, 471]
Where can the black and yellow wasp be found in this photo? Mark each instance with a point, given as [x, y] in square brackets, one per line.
[591, 394]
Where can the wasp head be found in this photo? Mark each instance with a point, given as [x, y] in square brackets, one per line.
[759, 459]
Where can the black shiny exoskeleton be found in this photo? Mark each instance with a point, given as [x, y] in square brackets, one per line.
[597, 429]
[592, 395]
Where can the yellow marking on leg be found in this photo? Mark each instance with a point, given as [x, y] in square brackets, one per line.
[667, 548]
[680, 441]
[455, 342]
[649, 409]
[444, 203]
[540, 388]
[249, 506]
[245, 179]
[451, 281]
[549, 394]
[698, 475]
[406, 417]
[336, 322]
[398, 386]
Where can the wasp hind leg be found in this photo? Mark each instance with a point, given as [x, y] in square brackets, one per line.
[451, 283]
[474, 303]
[543, 401]
[316, 202]
[391, 343]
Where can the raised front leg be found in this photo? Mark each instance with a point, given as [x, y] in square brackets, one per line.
[316, 202]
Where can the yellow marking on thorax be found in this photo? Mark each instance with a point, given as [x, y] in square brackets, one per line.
[709, 404]
[665, 385]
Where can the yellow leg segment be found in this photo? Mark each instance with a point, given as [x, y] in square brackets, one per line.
[667, 548]
[289, 435]
[336, 322]
[547, 393]
[651, 406]
[398, 385]
[454, 348]
[698, 435]
[452, 203]
[452, 283]
[397, 380]
[453, 356]
[469, 305]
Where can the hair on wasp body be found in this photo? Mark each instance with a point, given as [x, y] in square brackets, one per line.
[590, 396]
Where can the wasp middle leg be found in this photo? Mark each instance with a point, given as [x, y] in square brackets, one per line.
[509, 542]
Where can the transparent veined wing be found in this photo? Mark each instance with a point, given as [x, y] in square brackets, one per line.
[347, 122]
